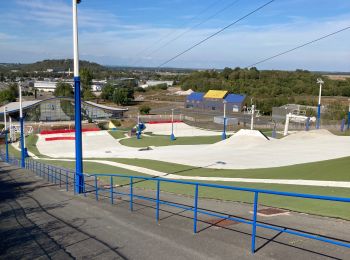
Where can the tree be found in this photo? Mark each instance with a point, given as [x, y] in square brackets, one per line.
[107, 92]
[123, 96]
[88, 95]
[86, 77]
[63, 90]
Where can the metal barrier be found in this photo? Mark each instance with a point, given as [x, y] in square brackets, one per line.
[62, 176]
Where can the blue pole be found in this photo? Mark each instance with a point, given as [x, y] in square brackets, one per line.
[21, 120]
[7, 147]
[342, 126]
[157, 205]
[223, 136]
[318, 116]
[78, 138]
[348, 120]
[131, 194]
[307, 127]
[172, 136]
[111, 189]
[96, 188]
[195, 209]
[255, 212]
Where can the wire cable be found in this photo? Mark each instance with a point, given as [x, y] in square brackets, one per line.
[298, 47]
[162, 38]
[195, 26]
[216, 33]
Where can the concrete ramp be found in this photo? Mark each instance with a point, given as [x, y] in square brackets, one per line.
[180, 130]
[245, 138]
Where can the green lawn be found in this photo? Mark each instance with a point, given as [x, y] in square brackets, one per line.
[327, 170]
[117, 134]
[165, 141]
[331, 170]
[333, 209]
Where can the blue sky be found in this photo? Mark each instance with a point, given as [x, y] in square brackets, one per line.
[115, 32]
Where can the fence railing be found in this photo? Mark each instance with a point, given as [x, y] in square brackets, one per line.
[110, 189]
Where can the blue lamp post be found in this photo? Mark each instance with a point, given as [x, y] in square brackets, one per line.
[79, 177]
[172, 136]
[21, 121]
[318, 122]
[223, 136]
[138, 134]
[6, 138]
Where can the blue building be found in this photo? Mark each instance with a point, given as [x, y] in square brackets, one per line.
[214, 100]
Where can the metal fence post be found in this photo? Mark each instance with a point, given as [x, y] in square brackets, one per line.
[74, 183]
[195, 213]
[96, 188]
[60, 177]
[111, 189]
[255, 212]
[48, 175]
[131, 194]
[158, 195]
[66, 180]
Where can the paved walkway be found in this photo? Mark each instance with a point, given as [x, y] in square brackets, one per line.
[38, 220]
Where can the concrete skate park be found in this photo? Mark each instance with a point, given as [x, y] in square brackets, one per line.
[245, 149]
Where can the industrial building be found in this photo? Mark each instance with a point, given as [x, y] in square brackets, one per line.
[214, 100]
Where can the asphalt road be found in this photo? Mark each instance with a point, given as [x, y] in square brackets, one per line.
[41, 221]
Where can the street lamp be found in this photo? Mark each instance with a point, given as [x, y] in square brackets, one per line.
[21, 121]
[252, 118]
[223, 136]
[6, 139]
[172, 136]
[319, 81]
[79, 177]
[138, 134]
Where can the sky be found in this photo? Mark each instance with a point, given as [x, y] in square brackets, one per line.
[147, 33]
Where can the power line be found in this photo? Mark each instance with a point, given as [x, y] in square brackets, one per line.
[216, 33]
[195, 26]
[162, 38]
[298, 47]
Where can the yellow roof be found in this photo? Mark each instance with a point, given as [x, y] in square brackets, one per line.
[215, 94]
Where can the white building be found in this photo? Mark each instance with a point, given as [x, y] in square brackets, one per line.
[150, 83]
[48, 86]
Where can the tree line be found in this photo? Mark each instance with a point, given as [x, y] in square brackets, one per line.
[268, 88]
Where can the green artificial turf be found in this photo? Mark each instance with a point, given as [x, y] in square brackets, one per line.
[330, 170]
[165, 141]
[117, 134]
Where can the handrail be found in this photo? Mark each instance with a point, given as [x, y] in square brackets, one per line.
[54, 174]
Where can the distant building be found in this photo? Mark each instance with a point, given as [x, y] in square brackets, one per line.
[60, 109]
[151, 83]
[48, 86]
[214, 100]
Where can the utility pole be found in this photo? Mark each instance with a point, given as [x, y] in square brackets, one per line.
[318, 123]
[21, 121]
[223, 136]
[6, 136]
[79, 176]
[252, 118]
[172, 136]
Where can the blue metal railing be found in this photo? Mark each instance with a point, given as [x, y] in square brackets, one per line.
[62, 176]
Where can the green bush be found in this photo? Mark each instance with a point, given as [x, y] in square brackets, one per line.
[145, 110]
[103, 125]
[116, 122]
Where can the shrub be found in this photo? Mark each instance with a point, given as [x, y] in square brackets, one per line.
[116, 122]
[103, 125]
[144, 110]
